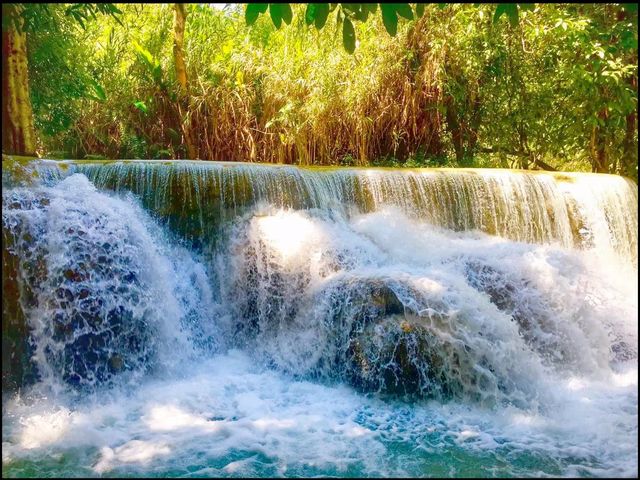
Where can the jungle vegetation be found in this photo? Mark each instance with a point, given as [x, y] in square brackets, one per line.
[550, 86]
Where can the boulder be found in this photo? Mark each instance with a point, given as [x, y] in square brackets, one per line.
[82, 308]
[391, 348]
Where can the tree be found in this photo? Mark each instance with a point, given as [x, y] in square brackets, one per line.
[18, 133]
[180, 20]
[178, 43]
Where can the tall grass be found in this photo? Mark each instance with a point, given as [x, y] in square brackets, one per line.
[450, 86]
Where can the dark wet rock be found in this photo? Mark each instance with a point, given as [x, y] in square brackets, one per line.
[385, 299]
[622, 351]
[17, 368]
[397, 356]
[553, 339]
[515, 297]
[95, 338]
[98, 342]
[384, 345]
[502, 290]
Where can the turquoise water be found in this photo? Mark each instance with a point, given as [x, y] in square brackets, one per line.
[231, 418]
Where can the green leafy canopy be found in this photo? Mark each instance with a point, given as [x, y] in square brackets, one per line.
[317, 13]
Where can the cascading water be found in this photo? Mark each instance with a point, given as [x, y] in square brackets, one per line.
[207, 319]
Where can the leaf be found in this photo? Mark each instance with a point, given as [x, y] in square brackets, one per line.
[100, 93]
[157, 74]
[144, 54]
[404, 10]
[310, 13]
[362, 15]
[113, 9]
[510, 9]
[253, 11]
[140, 106]
[285, 13]
[628, 40]
[359, 10]
[419, 9]
[348, 36]
[322, 12]
[79, 20]
[276, 17]
[175, 136]
[389, 18]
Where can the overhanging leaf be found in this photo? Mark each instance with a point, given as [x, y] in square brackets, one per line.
[322, 12]
[253, 11]
[310, 13]
[389, 18]
[404, 10]
[285, 13]
[348, 36]
[276, 16]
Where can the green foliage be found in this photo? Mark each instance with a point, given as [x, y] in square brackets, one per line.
[458, 85]
[317, 13]
[348, 36]
[81, 12]
[253, 11]
[141, 106]
[35, 16]
[389, 18]
[100, 94]
[280, 12]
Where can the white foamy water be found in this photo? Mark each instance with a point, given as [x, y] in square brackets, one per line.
[227, 416]
[319, 341]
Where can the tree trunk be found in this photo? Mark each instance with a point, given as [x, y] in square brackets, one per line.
[178, 43]
[180, 19]
[474, 124]
[453, 125]
[600, 164]
[18, 133]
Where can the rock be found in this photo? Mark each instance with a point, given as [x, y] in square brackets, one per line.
[95, 326]
[391, 349]
[386, 300]
[17, 368]
[537, 324]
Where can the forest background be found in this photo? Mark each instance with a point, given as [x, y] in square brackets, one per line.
[550, 86]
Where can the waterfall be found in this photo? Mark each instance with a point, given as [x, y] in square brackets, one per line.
[571, 209]
[470, 309]
[98, 285]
